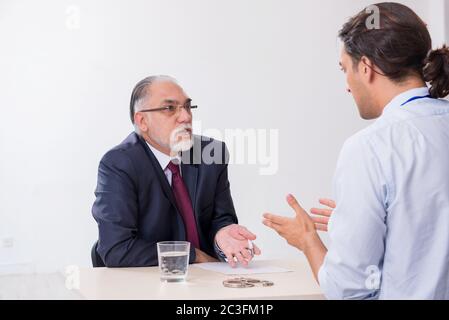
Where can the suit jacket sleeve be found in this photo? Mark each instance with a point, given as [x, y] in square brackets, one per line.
[116, 212]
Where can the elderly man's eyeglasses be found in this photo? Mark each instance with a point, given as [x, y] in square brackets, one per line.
[172, 109]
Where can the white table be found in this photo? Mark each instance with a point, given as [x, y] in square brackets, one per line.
[144, 284]
[36, 287]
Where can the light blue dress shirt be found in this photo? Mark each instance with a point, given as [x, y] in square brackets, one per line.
[390, 231]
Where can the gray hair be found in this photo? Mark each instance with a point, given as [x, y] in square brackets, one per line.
[140, 92]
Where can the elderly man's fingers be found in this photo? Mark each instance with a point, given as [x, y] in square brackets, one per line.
[321, 212]
[246, 254]
[256, 250]
[230, 258]
[328, 203]
[246, 233]
[241, 259]
[295, 205]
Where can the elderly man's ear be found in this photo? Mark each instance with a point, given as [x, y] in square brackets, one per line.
[140, 122]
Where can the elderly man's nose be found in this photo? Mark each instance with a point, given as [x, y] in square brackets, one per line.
[184, 115]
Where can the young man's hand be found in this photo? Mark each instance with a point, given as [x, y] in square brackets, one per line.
[321, 216]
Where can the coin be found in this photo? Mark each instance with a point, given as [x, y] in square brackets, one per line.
[253, 281]
[237, 284]
[242, 283]
[267, 283]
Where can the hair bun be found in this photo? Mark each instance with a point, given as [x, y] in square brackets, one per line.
[436, 72]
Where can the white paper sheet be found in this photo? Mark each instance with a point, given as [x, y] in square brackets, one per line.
[255, 267]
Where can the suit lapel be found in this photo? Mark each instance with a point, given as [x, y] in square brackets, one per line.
[160, 174]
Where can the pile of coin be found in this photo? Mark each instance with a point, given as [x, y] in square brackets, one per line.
[243, 283]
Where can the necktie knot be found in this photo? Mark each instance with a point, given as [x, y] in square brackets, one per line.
[173, 167]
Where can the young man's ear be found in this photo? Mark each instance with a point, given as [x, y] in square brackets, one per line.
[367, 68]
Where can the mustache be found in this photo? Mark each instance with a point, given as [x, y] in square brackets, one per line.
[182, 129]
[178, 141]
[178, 133]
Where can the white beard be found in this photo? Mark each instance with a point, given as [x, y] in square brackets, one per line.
[181, 145]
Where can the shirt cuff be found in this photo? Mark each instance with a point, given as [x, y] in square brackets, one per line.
[220, 254]
[322, 278]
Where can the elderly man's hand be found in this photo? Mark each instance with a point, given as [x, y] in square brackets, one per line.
[234, 240]
[202, 257]
[299, 231]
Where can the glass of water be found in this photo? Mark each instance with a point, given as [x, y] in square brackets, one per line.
[173, 260]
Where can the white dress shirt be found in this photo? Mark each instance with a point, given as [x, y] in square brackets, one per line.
[390, 231]
[164, 160]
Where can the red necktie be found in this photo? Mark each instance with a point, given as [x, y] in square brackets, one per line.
[184, 204]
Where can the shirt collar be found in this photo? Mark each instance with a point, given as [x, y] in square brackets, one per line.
[162, 158]
[405, 96]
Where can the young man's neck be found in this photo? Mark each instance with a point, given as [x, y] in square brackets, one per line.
[389, 90]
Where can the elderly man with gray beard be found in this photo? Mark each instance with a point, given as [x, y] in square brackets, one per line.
[156, 186]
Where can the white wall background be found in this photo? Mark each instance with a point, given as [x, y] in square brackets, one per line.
[64, 93]
[437, 20]
[446, 20]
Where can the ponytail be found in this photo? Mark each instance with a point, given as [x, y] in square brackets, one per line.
[436, 72]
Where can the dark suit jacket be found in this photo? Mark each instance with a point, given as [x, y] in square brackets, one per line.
[135, 206]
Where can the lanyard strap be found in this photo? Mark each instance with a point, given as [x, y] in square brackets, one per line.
[415, 98]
